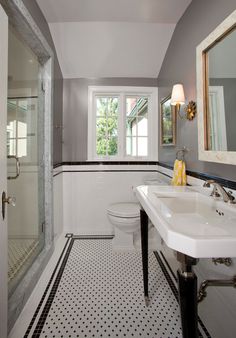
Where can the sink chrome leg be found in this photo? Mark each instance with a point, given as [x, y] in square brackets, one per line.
[187, 281]
[144, 245]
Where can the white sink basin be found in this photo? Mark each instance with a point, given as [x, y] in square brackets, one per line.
[190, 222]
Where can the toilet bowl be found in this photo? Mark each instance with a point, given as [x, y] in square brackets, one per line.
[125, 217]
[126, 221]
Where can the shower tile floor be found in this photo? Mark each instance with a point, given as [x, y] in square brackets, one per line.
[19, 250]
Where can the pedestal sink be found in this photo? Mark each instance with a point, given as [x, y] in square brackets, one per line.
[193, 224]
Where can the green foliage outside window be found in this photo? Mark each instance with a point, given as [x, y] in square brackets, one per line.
[106, 126]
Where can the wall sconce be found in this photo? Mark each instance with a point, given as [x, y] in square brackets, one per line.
[178, 99]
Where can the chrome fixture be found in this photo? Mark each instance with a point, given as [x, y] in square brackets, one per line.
[7, 200]
[226, 261]
[17, 167]
[214, 282]
[218, 191]
[180, 154]
[178, 99]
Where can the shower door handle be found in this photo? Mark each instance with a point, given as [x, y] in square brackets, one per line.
[7, 200]
[17, 167]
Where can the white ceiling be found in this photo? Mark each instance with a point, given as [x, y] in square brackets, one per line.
[112, 38]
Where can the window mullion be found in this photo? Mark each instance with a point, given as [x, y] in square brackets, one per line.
[121, 126]
[106, 116]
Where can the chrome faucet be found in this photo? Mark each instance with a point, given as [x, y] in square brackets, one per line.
[218, 191]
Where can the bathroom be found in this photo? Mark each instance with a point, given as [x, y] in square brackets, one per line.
[60, 246]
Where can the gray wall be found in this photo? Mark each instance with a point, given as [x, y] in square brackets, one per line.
[58, 80]
[75, 112]
[200, 19]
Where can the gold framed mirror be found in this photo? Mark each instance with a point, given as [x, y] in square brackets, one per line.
[216, 94]
[168, 122]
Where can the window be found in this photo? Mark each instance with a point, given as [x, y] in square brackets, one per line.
[122, 123]
[106, 125]
[21, 124]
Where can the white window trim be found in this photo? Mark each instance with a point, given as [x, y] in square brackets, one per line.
[153, 121]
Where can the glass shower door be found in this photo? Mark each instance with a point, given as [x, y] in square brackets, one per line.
[25, 159]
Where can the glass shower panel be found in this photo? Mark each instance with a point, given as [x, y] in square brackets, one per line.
[24, 144]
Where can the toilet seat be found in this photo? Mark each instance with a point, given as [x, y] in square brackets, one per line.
[124, 210]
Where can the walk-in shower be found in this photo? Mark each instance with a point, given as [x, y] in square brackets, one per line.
[25, 158]
[27, 201]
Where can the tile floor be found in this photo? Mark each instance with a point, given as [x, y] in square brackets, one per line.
[95, 292]
[19, 250]
[100, 294]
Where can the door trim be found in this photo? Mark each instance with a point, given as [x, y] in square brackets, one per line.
[3, 168]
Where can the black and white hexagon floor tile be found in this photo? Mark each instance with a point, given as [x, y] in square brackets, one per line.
[100, 294]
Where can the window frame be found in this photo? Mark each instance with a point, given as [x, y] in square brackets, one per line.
[121, 92]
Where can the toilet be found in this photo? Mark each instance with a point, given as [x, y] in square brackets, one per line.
[125, 217]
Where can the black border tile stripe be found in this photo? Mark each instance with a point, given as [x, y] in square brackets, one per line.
[105, 163]
[53, 291]
[111, 171]
[168, 265]
[45, 292]
[167, 276]
[205, 176]
[174, 289]
[47, 306]
[93, 237]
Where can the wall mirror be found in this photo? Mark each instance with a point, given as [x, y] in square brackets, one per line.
[168, 122]
[216, 94]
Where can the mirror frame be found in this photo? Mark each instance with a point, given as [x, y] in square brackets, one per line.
[228, 157]
[173, 119]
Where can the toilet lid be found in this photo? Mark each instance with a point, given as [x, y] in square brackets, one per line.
[124, 209]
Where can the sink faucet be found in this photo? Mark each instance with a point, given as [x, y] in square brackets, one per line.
[219, 190]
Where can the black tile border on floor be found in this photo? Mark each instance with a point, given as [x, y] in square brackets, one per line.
[39, 326]
[47, 306]
[45, 292]
[174, 288]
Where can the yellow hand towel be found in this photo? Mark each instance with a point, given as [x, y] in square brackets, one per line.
[179, 176]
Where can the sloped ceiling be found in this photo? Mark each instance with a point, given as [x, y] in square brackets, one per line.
[112, 38]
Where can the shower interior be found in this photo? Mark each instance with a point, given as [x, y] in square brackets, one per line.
[25, 147]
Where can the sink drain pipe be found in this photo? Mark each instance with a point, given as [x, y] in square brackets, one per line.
[214, 282]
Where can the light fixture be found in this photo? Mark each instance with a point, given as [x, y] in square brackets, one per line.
[178, 99]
